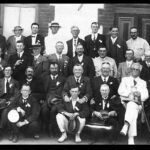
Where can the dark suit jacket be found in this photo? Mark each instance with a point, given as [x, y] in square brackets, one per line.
[145, 72]
[3, 44]
[70, 46]
[85, 87]
[3, 63]
[67, 106]
[37, 88]
[32, 112]
[41, 65]
[14, 89]
[92, 47]
[116, 51]
[53, 89]
[19, 70]
[97, 82]
[28, 43]
[88, 66]
[11, 44]
[63, 64]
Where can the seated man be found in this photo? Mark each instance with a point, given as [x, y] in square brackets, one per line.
[107, 110]
[9, 90]
[29, 111]
[126, 90]
[72, 111]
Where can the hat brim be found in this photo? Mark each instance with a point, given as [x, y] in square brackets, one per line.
[55, 26]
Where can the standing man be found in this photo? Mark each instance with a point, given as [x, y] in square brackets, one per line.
[133, 92]
[53, 37]
[12, 40]
[72, 44]
[60, 58]
[53, 86]
[19, 61]
[138, 44]
[116, 46]
[102, 51]
[85, 61]
[93, 41]
[34, 39]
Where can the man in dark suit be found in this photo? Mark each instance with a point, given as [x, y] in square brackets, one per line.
[94, 41]
[60, 58]
[85, 61]
[11, 41]
[40, 63]
[36, 84]
[3, 44]
[70, 111]
[19, 61]
[53, 86]
[78, 79]
[72, 44]
[29, 110]
[9, 90]
[116, 46]
[105, 78]
[114, 111]
[34, 38]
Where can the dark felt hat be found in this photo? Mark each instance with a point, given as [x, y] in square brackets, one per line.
[73, 126]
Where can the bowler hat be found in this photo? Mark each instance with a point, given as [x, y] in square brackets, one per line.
[54, 24]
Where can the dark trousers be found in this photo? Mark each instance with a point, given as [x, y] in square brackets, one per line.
[4, 119]
[29, 130]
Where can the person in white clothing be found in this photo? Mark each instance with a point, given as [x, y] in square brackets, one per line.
[129, 88]
[54, 35]
[138, 44]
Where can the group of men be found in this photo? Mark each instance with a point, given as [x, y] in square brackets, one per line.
[59, 86]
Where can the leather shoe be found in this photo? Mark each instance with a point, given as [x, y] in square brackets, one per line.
[62, 138]
[15, 139]
[77, 138]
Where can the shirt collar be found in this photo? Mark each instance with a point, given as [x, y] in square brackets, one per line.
[59, 55]
[105, 78]
[54, 76]
[37, 56]
[21, 53]
[113, 39]
[77, 78]
[35, 35]
[8, 79]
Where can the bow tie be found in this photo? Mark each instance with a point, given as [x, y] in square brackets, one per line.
[33, 36]
[24, 100]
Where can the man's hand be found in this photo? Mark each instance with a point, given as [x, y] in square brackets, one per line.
[92, 101]
[112, 113]
[18, 62]
[82, 100]
[20, 123]
[98, 114]
[66, 98]
[70, 115]
[19, 109]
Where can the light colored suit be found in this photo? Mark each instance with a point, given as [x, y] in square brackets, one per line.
[133, 109]
[123, 70]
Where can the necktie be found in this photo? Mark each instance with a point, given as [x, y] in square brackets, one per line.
[75, 42]
[104, 80]
[54, 77]
[24, 100]
[94, 38]
[7, 87]
[134, 82]
[77, 81]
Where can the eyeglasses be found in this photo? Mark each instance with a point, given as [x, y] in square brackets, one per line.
[135, 69]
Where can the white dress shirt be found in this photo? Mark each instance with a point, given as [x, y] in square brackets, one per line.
[74, 44]
[129, 63]
[59, 56]
[94, 36]
[34, 39]
[139, 46]
[106, 78]
[18, 38]
[80, 58]
[113, 39]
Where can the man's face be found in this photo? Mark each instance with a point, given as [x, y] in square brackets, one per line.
[19, 47]
[17, 32]
[135, 71]
[129, 55]
[7, 72]
[25, 91]
[147, 58]
[35, 29]
[74, 92]
[79, 50]
[36, 51]
[77, 71]
[105, 70]
[114, 32]
[54, 29]
[104, 90]
[75, 32]
[102, 52]
[54, 69]
[94, 28]
[29, 73]
[59, 48]
[133, 33]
